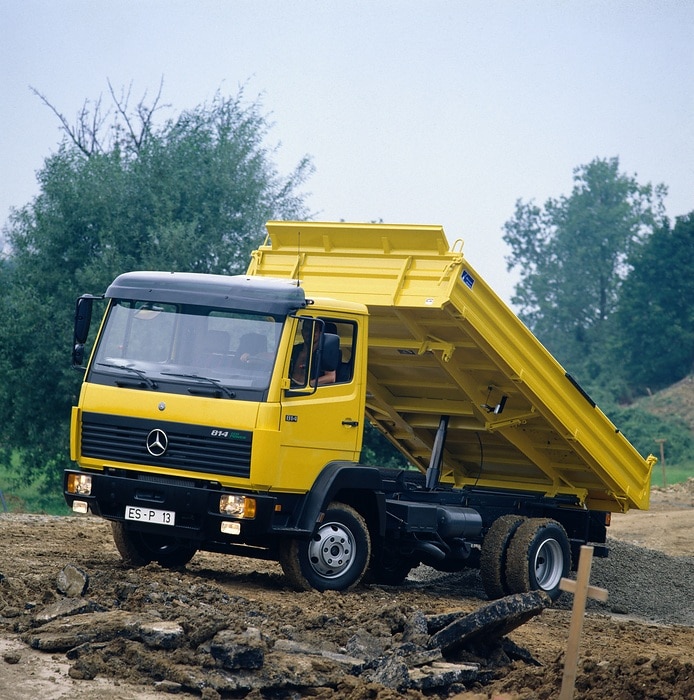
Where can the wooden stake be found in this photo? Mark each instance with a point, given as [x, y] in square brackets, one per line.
[582, 590]
[662, 442]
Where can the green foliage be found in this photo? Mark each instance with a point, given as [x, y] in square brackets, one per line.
[28, 495]
[643, 429]
[655, 314]
[572, 256]
[606, 285]
[377, 451]
[190, 195]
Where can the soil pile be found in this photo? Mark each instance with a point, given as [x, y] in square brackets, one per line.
[76, 623]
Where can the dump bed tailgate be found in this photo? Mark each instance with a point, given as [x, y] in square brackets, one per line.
[441, 343]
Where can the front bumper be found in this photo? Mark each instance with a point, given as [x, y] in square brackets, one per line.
[195, 504]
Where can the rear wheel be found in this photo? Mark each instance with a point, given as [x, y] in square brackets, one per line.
[538, 557]
[139, 548]
[494, 553]
[335, 558]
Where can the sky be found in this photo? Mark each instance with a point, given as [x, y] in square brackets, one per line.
[429, 111]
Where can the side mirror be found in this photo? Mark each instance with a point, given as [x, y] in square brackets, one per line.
[83, 319]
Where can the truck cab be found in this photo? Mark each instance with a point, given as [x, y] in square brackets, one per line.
[203, 417]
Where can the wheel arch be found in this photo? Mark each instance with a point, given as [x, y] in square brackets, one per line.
[356, 485]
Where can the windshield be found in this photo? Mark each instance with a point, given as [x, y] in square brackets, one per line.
[203, 350]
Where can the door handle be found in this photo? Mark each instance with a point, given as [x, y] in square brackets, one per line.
[350, 423]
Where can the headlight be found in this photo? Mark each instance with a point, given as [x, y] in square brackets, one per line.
[80, 484]
[237, 506]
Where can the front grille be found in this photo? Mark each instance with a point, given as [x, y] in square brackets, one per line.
[191, 447]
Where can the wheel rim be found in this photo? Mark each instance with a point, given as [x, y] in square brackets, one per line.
[331, 551]
[549, 565]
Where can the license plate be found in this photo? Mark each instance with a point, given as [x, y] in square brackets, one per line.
[150, 515]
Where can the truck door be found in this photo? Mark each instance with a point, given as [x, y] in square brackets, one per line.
[322, 411]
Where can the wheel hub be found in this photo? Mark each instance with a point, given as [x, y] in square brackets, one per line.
[549, 565]
[331, 551]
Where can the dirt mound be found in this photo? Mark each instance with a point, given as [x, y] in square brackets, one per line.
[78, 624]
[679, 493]
[677, 399]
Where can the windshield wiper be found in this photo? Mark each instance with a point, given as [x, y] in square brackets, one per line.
[139, 372]
[215, 382]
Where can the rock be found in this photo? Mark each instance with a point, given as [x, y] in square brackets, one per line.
[390, 671]
[161, 634]
[441, 674]
[491, 621]
[72, 581]
[416, 628]
[420, 657]
[12, 657]
[352, 664]
[438, 622]
[289, 646]
[66, 633]
[366, 645]
[83, 670]
[348, 663]
[168, 687]
[233, 651]
[66, 607]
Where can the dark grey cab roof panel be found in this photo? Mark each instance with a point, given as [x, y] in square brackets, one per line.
[255, 294]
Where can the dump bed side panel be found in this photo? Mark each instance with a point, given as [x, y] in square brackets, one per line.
[442, 343]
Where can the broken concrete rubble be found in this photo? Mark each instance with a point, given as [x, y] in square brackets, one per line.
[229, 648]
[488, 623]
[72, 581]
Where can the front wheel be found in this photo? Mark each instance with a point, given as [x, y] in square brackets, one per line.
[538, 557]
[335, 558]
[139, 548]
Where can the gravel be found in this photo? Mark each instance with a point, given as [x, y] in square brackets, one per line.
[641, 583]
[644, 583]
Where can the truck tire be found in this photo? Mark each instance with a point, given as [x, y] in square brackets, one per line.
[335, 558]
[494, 553]
[139, 548]
[538, 557]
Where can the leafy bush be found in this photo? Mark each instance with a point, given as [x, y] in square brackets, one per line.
[23, 492]
[642, 429]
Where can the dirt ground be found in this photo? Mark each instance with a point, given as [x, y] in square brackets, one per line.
[638, 645]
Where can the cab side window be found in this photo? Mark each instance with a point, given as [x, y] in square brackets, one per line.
[347, 333]
[336, 338]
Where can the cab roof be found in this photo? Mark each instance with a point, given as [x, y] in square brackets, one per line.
[241, 292]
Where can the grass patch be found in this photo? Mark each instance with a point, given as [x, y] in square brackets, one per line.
[674, 474]
[19, 495]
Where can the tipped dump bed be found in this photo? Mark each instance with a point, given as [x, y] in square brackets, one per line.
[441, 343]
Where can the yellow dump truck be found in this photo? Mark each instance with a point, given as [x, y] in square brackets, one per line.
[226, 413]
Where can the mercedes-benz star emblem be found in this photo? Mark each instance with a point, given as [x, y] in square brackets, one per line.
[157, 442]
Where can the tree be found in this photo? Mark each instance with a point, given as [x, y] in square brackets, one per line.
[122, 193]
[573, 256]
[655, 314]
